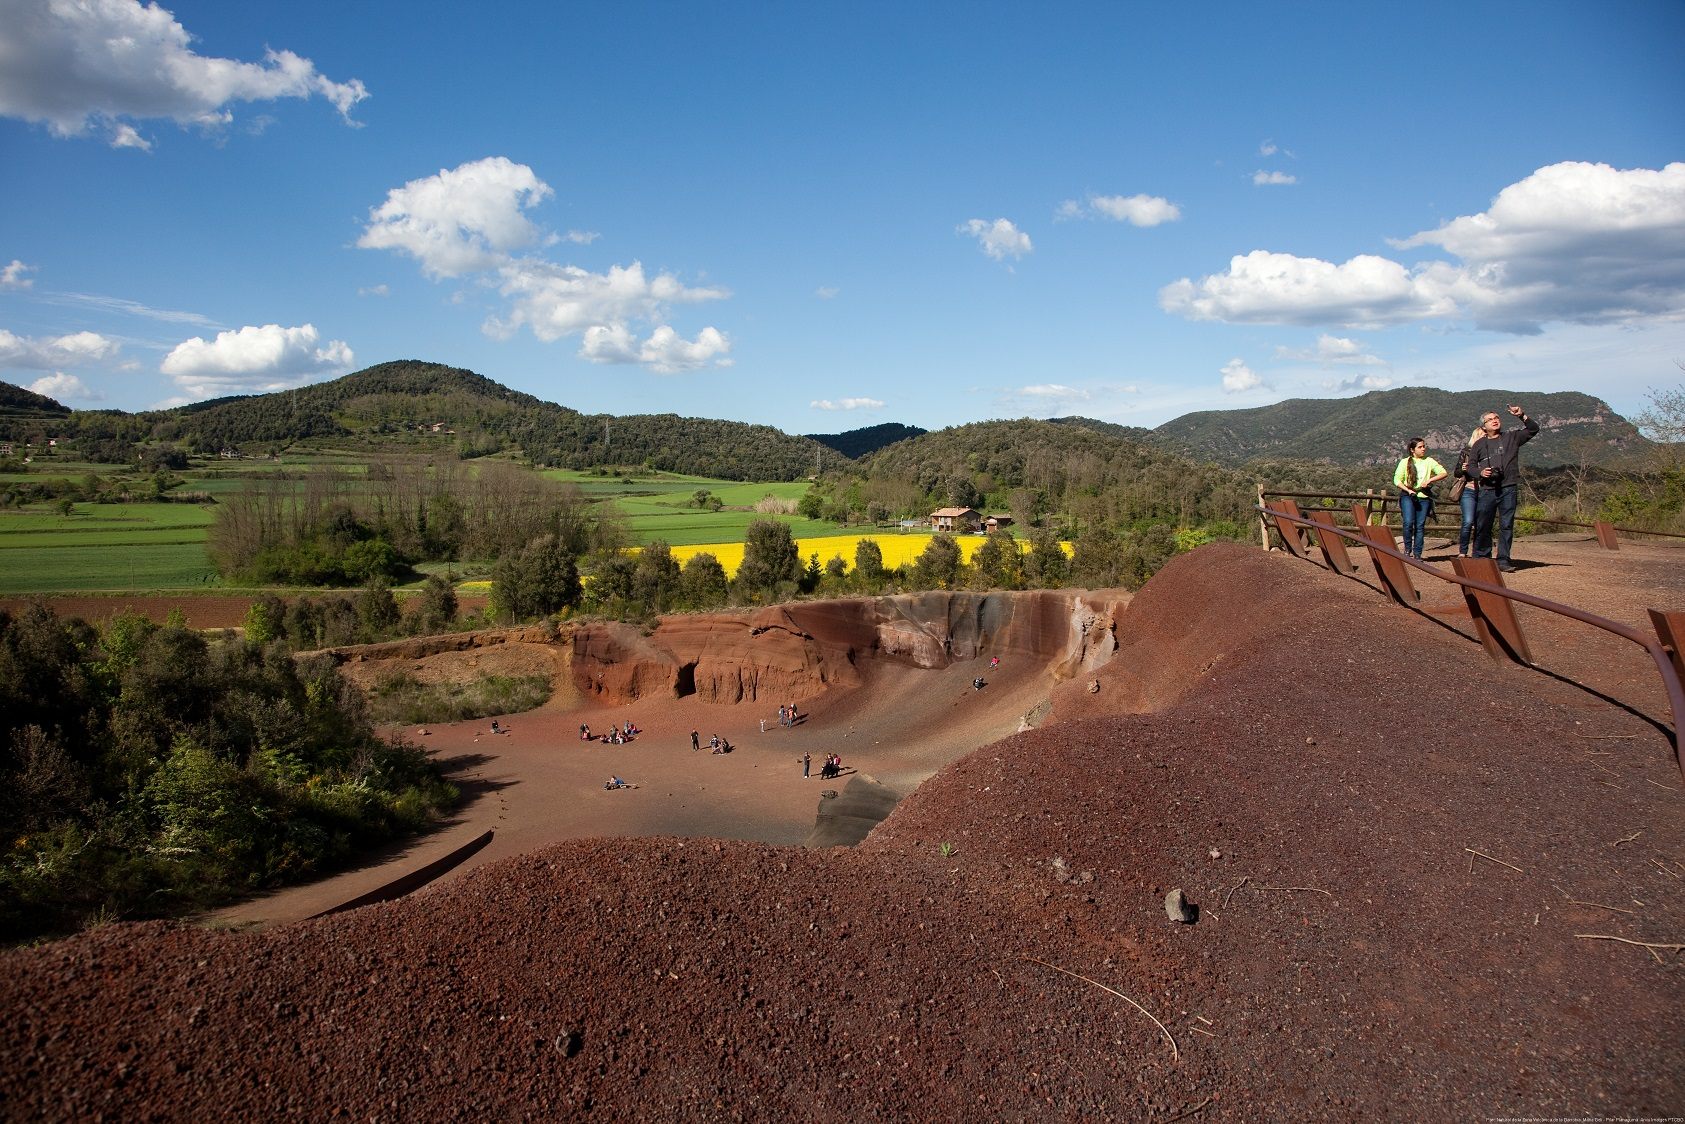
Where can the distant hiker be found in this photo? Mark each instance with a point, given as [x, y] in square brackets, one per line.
[1496, 462]
[783, 716]
[994, 662]
[1415, 475]
[807, 760]
[977, 683]
[584, 731]
[714, 743]
[792, 714]
[695, 744]
[763, 725]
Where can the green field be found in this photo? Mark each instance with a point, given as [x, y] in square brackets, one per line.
[161, 546]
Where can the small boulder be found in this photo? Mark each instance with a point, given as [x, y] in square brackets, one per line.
[1179, 909]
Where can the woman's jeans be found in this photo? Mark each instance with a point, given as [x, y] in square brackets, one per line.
[1465, 537]
[1415, 523]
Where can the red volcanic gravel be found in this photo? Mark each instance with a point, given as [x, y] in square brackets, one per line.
[1399, 853]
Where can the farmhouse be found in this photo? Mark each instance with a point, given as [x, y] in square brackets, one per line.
[955, 519]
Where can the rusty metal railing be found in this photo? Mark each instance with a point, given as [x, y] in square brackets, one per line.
[1489, 601]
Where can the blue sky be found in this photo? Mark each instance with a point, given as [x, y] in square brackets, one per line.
[823, 217]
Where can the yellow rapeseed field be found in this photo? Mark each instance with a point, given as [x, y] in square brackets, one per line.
[898, 550]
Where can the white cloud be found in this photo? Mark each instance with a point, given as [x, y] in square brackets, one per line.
[664, 352]
[827, 292]
[463, 220]
[128, 308]
[1137, 210]
[581, 237]
[65, 388]
[1360, 382]
[846, 404]
[1332, 350]
[12, 276]
[1238, 377]
[559, 300]
[254, 360]
[1055, 391]
[1263, 178]
[375, 291]
[998, 238]
[61, 351]
[1268, 148]
[1571, 243]
[78, 65]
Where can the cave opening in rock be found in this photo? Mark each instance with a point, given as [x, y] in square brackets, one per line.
[685, 684]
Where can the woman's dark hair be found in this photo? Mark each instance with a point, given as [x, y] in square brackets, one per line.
[1410, 465]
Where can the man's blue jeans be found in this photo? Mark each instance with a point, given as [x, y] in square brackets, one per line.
[1415, 522]
[1499, 502]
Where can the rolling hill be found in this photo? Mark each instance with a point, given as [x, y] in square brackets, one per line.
[1371, 429]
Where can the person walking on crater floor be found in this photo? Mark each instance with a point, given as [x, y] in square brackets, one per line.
[1414, 477]
[1495, 463]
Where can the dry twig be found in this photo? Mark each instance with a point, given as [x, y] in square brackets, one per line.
[1605, 737]
[1189, 1111]
[1237, 886]
[1628, 839]
[1489, 858]
[1648, 946]
[1305, 889]
[1175, 1054]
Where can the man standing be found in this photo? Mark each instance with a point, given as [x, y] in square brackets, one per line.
[1495, 471]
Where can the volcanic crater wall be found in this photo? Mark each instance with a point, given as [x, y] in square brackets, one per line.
[797, 650]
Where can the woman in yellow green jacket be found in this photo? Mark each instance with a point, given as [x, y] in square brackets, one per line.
[1415, 474]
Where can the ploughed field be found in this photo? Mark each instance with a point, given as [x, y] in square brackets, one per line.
[1408, 864]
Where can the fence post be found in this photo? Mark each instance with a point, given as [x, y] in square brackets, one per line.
[1333, 546]
[1606, 535]
[1494, 615]
[1670, 630]
[1395, 575]
[1263, 521]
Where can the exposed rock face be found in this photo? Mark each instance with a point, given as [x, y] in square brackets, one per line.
[797, 650]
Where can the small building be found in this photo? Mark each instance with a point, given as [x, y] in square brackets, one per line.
[5, 448]
[995, 522]
[953, 519]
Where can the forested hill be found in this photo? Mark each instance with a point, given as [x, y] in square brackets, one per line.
[15, 401]
[401, 402]
[1372, 428]
[859, 442]
[1028, 467]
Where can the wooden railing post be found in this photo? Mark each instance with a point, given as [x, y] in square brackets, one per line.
[1263, 521]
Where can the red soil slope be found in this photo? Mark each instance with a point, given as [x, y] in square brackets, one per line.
[1400, 853]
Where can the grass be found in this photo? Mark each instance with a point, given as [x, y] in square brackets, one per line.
[401, 698]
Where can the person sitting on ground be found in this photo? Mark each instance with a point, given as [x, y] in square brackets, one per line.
[977, 683]
[616, 782]
[494, 728]
[584, 731]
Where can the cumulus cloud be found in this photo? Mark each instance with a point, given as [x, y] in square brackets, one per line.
[1238, 377]
[60, 351]
[827, 292]
[1265, 179]
[1136, 210]
[472, 221]
[65, 388]
[998, 239]
[1332, 350]
[846, 404]
[664, 352]
[463, 220]
[12, 275]
[1268, 148]
[1053, 391]
[1572, 243]
[560, 300]
[254, 360]
[97, 65]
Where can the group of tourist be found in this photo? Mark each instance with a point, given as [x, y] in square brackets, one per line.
[831, 768]
[616, 735]
[1486, 485]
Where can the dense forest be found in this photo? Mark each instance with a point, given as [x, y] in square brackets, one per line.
[858, 442]
[149, 770]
